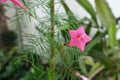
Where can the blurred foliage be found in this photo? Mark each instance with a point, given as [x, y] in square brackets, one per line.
[9, 38]
[99, 61]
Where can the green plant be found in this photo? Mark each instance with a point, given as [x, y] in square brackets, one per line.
[55, 60]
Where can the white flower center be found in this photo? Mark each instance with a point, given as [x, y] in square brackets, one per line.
[81, 36]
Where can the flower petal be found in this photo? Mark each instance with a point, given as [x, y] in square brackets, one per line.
[81, 30]
[73, 42]
[81, 46]
[87, 38]
[79, 38]
[18, 3]
[73, 33]
[3, 0]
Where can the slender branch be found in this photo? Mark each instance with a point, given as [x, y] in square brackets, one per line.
[71, 68]
[52, 17]
[96, 72]
[78, 74]
[19, 31]
[3, 22]
[52, 63]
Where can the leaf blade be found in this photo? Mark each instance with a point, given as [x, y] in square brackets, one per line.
[88, 7]
[108, 19]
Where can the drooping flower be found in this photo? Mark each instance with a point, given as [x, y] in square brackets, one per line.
[16, 2]
[79, 38]
[3, 0]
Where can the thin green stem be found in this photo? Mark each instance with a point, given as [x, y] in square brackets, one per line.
[19, 29]
[96, 72]
[52, 62]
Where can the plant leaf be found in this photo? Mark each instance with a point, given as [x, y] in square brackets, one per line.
[107, 18]
[82, 64]
[89, 61]
[94, 67]
[71, 18]
[105, 60]
[88, 7]
[94, 41]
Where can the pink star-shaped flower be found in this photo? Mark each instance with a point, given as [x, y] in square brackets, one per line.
[79, 38]
[16, 2]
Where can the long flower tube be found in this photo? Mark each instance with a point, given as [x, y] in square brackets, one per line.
[16, 2]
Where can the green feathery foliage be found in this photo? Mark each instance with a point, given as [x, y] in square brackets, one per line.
[46, 55]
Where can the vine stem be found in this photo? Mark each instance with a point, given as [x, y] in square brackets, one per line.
[3, 23]
[19, 31]
[78, 74]
[52, 62]
[96, 72]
